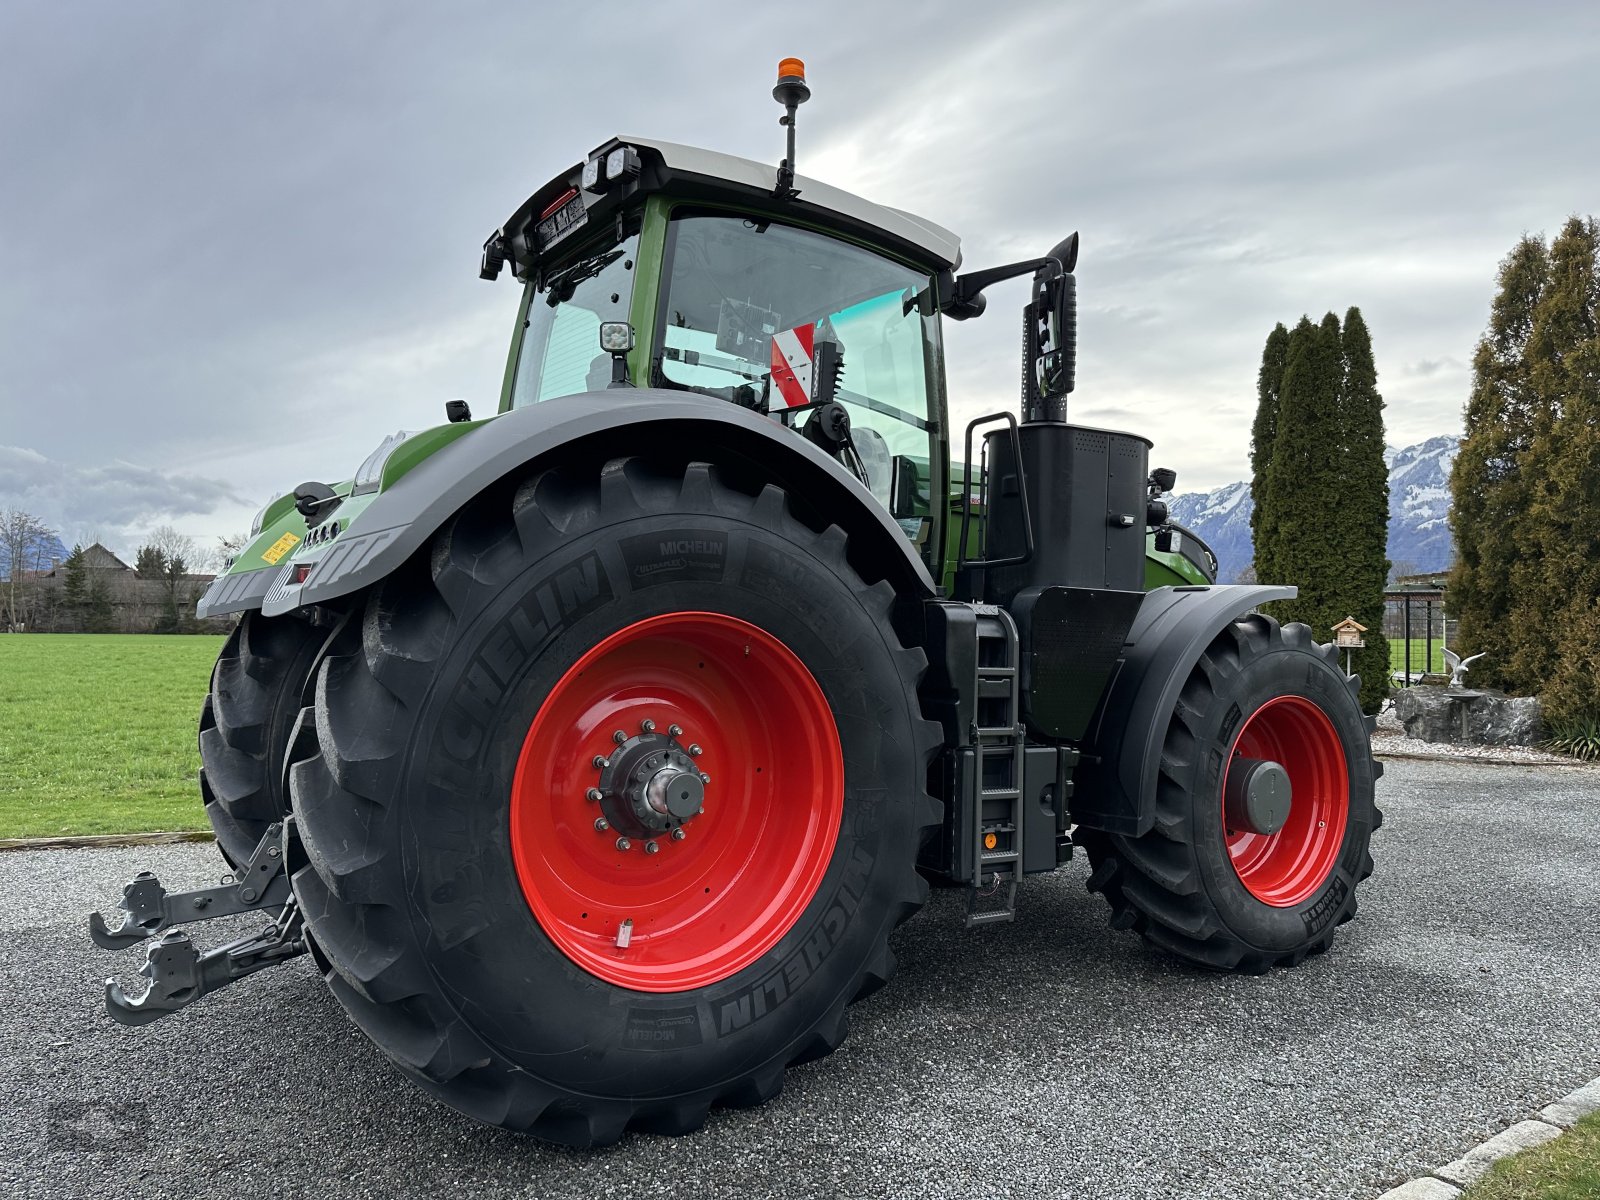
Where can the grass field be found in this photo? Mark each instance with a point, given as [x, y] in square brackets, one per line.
[1565, 1169]
[97, 732]
[1419, 655]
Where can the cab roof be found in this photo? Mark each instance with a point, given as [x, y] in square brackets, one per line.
[695, 173]
[939, 243]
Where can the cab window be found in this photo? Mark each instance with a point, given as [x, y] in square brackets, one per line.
[754, 311]
[560, 353]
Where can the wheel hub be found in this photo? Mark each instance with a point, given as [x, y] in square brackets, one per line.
[650, 784]
[1259, 795]
[674, 793]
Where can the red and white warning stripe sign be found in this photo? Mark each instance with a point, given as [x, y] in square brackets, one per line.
[791, 367]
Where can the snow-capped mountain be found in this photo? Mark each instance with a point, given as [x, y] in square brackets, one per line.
[1222, 519]
[1419, 512]
[1419, 505]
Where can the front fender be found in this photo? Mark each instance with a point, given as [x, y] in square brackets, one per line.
[1114, 785]
[611, 423]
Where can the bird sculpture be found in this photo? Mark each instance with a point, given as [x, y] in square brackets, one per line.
[1458, 666]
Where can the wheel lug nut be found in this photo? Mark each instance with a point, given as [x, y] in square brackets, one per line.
[595, 795]
[600, 762]
[704, 778]
[647, 726]
[675, 730]
[678, 835]
[601, 824]
[651, 847]
[694, 751]
[619, 737]
[624, 844]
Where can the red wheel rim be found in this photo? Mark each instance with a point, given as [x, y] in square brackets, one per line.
[1285, 868]
[710, 904]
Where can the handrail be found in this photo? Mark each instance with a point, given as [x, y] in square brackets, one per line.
[962, 561]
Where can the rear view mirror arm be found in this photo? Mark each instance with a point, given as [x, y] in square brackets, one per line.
[966, 298]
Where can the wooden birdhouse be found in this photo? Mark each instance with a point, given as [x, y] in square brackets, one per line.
[1347, 634]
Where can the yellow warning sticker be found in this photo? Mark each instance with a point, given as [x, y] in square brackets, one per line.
[279, 548]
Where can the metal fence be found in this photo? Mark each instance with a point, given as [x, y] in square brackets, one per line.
[1418, 630]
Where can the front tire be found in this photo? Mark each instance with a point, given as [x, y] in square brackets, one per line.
[466, 888]
[245, 722]
[1202, 883]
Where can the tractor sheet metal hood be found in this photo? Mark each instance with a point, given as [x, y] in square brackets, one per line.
[697, 174]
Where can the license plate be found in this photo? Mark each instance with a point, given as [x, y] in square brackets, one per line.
[560, 223]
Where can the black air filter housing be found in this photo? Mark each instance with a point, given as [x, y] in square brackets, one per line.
[1076, 598]
[1086, 497]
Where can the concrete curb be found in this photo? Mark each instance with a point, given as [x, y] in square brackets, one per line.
[101, 841]
[1447, 1182]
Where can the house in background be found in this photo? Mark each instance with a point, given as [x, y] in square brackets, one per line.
[138, 604]
[95, 558]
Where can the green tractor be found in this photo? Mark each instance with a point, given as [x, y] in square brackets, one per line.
[594, 749]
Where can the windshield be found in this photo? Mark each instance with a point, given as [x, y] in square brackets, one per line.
[561, 353]
[778, 319]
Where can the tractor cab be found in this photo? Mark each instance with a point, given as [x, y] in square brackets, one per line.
[656, 265]
[813, 306]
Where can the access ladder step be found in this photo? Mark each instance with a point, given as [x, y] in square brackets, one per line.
[1003, 888]
[994, 817]
[998, 916]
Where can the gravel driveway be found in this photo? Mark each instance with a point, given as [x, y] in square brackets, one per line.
[1050, 1057]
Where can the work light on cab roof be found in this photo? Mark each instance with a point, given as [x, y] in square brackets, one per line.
[593, 748]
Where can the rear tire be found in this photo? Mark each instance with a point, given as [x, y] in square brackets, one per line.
[256, 693]
[466, 905]
[1199, 884]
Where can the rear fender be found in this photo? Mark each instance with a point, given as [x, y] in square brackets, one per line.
[402, 518]
[1114, 785]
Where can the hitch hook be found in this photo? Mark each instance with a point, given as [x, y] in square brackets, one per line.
[179, 975]
[148, 908]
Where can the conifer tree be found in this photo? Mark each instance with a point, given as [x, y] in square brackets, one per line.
[151, 563]
[1362, 510]
[75, 590]
[98, 616]
[1304, 481]
[1556, 583]
[1264, 430]
[1489, 490]
[1263, 526]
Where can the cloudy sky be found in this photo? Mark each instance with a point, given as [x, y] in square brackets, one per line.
[238, 243]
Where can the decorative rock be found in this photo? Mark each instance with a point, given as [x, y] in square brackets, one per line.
[1506, 720]
[1468, 717]
[1427, 714]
